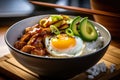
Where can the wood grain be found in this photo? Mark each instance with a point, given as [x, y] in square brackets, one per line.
[13, 62]
[17, 71]
[112, 59]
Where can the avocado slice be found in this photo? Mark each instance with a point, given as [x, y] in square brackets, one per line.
[87, 30]
[73, 25]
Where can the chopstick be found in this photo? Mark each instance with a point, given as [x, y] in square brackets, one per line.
[77, 9]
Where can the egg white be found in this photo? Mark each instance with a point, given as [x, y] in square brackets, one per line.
[71, 52]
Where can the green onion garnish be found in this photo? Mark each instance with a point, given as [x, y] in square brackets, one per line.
[69, 32]
[54, 29]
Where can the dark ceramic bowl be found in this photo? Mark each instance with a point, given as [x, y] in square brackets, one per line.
[53, 67]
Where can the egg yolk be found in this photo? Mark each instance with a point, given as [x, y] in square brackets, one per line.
[63, 42]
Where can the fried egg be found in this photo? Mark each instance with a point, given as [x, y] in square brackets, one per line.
[64, 45]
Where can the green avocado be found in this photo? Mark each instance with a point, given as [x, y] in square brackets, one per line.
[87, 30]
[73, 25]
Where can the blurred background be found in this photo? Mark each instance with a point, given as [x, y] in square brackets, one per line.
[12, 11]
[77, 3]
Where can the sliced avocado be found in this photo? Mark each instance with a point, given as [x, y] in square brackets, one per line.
[87, 30]
[73, 25]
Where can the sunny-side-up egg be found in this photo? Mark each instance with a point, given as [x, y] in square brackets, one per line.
[64, 46]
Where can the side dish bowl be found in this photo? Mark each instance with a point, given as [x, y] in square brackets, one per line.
[53, 67]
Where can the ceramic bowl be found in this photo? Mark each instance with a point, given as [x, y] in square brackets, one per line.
[60, 68]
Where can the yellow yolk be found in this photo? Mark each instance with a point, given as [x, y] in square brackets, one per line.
[63, 42]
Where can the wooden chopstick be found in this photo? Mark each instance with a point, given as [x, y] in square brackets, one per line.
[77, 9]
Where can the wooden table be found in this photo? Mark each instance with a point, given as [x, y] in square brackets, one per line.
[10, 67]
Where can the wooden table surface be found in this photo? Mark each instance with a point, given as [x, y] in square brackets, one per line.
[115, 44]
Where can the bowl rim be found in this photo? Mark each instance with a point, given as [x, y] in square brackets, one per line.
[52, 58]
